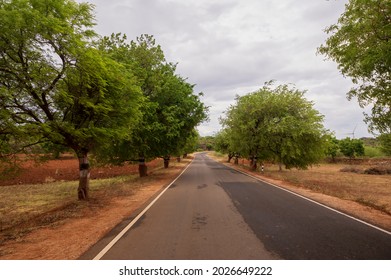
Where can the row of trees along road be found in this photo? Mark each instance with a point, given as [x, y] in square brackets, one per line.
[62, 85]
[273, 123]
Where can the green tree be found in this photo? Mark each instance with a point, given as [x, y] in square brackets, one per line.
[171, 110]
[360, 44]
[351, 147]
[278, 124]
[385, 143]
[188, 144]
[207, 142]
[332, 146]
[55, 86]
[223, 143]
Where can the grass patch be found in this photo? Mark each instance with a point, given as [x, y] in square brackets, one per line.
[373, 152]
[31, 206]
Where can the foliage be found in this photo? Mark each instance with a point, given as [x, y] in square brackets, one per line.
[55, 86]
[223, 143]
[207, 143]
[351, 147]
[191, 143]
[385, 143]
[170, 111]
[373, 152]
[332, 146]
[276, 124]
[360, 44]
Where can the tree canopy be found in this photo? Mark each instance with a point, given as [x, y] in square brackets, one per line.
[275, 124]
[61, 85]
[351, 147]
[360, 44]
[170, 110]
[385, 142]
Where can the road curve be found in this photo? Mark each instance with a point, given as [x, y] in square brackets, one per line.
[215, 212]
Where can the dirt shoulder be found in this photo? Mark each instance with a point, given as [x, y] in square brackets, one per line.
[70, 238]
[352, 208]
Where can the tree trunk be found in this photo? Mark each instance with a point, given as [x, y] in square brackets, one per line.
[178, 159]
[236, 160]
[166, 161]
[185, 155]
[254, 164]
[84, 177]
[142, 167]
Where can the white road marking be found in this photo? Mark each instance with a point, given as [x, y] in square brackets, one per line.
[308, 199]
[129, 226]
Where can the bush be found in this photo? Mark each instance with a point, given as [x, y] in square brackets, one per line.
[373, 152]
[352, 169]
[378, 170]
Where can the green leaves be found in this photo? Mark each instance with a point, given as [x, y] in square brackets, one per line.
[361, 45]
[385, 142]
[351, 147]
[170, 110]
[275, 124]
[115, 98]
[55, 82]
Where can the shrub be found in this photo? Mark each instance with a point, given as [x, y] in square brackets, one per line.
[352, 169]
[378, 170]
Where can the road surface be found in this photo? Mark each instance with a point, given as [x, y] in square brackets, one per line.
[214, 212]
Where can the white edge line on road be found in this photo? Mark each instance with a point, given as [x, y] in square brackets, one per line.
[128, 227]
[313, 201]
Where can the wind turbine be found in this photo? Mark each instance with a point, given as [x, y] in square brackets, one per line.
[352, 132]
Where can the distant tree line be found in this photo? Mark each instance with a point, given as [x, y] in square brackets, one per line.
[348, 147]
[62, 86]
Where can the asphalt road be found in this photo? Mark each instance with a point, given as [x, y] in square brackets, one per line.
[214, 212]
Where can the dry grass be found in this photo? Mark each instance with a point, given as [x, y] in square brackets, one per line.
[368, 190]
[24, 208]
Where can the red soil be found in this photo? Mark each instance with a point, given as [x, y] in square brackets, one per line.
[66, 169]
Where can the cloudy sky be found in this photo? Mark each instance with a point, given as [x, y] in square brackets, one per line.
[232, 47]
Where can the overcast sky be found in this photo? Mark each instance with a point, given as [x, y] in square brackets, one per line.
[232, 47]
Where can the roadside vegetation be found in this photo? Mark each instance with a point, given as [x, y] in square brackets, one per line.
[27, 207]
[65, 88]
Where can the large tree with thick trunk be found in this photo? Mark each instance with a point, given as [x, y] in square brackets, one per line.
[55, 86]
